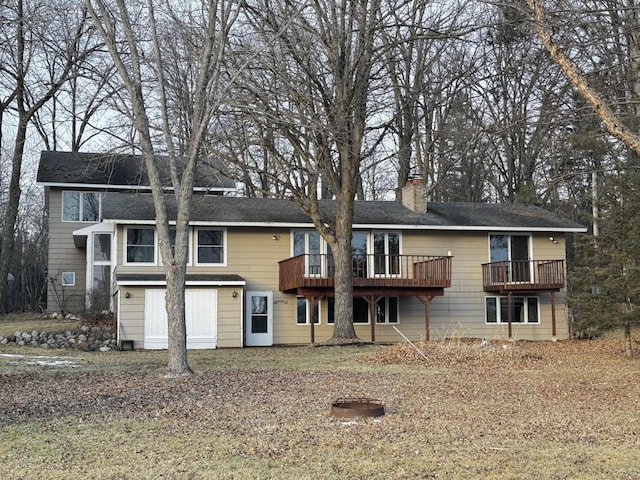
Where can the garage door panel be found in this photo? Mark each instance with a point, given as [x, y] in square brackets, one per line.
[200, 314]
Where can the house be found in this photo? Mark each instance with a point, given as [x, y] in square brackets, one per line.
[259, 274]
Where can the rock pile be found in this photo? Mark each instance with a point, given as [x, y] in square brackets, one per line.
[84, 337]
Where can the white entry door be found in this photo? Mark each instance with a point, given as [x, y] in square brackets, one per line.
[201, 319]
[259, 319]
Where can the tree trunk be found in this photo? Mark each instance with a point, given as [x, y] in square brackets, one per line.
[11, 214]
[177, 335]
[343, 330]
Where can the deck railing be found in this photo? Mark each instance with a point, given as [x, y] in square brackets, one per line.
[524, 275]
[318, 270]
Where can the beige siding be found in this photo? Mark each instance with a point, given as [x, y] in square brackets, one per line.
[229, 316]
[460, 312]
[64, 256]
[131, 315]
[253, 254]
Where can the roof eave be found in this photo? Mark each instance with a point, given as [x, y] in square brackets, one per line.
[386, 226]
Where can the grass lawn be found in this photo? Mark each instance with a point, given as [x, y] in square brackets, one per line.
[530, 411]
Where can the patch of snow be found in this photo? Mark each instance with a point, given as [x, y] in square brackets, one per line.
[41, 360]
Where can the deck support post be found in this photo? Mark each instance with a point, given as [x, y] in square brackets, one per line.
[426, 300]
[553, 315]
[313, 300]
[372, 300]
[509, 314]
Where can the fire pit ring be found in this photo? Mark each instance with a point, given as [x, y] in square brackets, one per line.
[357, 407]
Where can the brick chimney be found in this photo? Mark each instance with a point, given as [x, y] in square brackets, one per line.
[414, 195]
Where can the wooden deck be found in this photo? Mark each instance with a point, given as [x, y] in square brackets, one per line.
[521, 276]
[370, 272]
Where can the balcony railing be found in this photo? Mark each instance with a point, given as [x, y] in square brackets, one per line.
[416, 271]
[524, 275]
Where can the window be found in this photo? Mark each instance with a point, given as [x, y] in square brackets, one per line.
[80, 206]
[308, 242]
[101, 261]
[386, 310]
[303, 312]
[523, 310]
[359, 241]
[513, 249]
[386, 251]
[372, 253]
[172, 239]
[101, 247]
[68, 279]
[210, 246]
[140, 246]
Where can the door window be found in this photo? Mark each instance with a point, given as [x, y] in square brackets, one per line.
[259, 319]
[309, 243]
[259, 314]
[513, 250]
[386, 251]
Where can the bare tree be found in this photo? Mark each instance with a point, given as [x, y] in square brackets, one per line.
[606, 283]
[428, 66]
[37, 37]
[312, 86]
[168, 56]
[519, 96]
[76, 115]
[613, 122]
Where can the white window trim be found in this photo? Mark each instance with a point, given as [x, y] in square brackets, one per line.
[91, 263]
[323, 251]
[307, 315]
[371, 248]
[500, 321]
[224, 247]
[369, 319]
[155, 245]
[510, 234]
[81, 193]
[386, 312]
[189, 245]
[65, 284]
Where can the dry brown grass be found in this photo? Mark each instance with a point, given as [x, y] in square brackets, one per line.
[528, 411]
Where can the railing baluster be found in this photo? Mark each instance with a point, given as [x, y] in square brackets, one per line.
[373, 270]
[524, 274]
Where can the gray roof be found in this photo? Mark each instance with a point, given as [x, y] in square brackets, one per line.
[114, 171]
[270, 211]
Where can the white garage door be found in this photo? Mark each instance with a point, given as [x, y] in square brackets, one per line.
[201, 317]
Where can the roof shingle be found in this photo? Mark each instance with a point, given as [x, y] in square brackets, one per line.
[112, 171]
[130, 207]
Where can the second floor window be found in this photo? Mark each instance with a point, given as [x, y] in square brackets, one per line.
[210, 246]
[80, 207]
[140, 245]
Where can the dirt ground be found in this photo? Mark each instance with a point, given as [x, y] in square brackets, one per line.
[526, 410]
